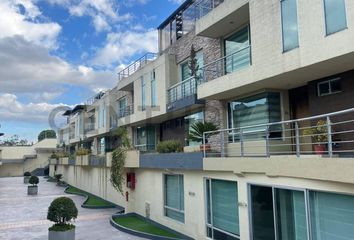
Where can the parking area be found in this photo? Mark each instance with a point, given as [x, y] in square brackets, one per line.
[24, 217]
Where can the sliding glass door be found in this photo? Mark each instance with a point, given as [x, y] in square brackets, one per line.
[278, 214]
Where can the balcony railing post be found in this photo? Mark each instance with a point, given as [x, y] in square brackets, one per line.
[267, 142]
[204, 141]
[329, 137]
[297, 139]
[242, 143]
[222, 144]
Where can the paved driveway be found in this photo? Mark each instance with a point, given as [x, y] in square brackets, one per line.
[24, 217]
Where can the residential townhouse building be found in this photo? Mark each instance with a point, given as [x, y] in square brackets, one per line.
[276, 77]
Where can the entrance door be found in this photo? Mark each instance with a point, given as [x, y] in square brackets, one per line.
[299, 105]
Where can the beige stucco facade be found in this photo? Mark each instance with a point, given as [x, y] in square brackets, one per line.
[17, 160]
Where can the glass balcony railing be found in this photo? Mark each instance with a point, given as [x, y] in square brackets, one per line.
[228, 64]
[132, 68]
[203, 7]
[126, 111]
[183, 89]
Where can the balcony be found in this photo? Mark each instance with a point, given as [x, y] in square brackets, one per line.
[97, 161]
[135, 66]
[217, 18]
[126, 111]
[183, 94]
[316, 148]
[324, 136]
[228, 64]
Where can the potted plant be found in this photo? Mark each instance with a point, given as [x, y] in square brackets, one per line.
[26, 177]
[62, 211]
[198, 129]
[33, 189]
[318, 135]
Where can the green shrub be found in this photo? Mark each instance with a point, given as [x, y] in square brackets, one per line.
[82, 152]
[34, 180]
[63, 155]
[27, 174]
[58, 177]
[62, 211]
[170, 146]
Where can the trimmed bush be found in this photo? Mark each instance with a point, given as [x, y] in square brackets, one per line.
[34, 180]
[27, 174]
[62, 211]
[170, 146]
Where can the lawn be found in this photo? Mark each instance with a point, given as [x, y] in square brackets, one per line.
[138, 224]
[92, 200]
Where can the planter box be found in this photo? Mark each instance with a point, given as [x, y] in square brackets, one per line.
[32, 190]
[26, 179]
[67, 235]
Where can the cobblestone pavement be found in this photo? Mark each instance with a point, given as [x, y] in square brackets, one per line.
[23, 217]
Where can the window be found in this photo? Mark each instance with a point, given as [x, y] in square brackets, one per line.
[300, 214]
[174, 197]
[332, 216]
[122, 105]
[222, 209]
[237, 51]
[145, 138]
[329, 87]
[188, 122]
[335, 15]
[278, 212]
[143, 94]
[153, 89]
[289, 24]
[259, 109]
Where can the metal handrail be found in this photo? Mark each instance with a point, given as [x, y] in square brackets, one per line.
[133, 67]
[183, 89]
[290, 139]
[207, 5]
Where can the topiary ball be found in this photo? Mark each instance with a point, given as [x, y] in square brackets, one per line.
[34, 180]
[62, 210]
[27, 174]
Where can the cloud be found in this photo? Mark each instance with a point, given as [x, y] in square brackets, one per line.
[103, 12]
[13, 110]
[22, 17]
[29, 68]
[123, 45]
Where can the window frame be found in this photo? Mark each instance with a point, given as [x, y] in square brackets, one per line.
[165, 207]
[329, 81]
[143, 93]
[282, 27]
[207, 185]
[325, 19]
[153, 89]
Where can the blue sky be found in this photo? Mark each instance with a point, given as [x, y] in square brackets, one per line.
[60, 52]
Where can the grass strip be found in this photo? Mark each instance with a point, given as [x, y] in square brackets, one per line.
[92, 200]
[138, 224]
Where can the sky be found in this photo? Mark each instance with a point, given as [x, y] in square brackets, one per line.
[57, 53]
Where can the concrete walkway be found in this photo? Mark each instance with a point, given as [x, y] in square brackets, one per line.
[24, 217]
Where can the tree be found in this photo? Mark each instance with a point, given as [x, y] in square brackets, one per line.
[193, 63]
[61, 211]
[14, 140]
[47, 134]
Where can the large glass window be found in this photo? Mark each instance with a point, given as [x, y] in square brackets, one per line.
[143, 94]
[237, 51]
[259, 109]
[145, 138]
[153, 89]
[222, 210]
[122, 107]
[332, 216]
[335, 15]
[188, 123]
[289, 24]
[291, 215]
[174, 197]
